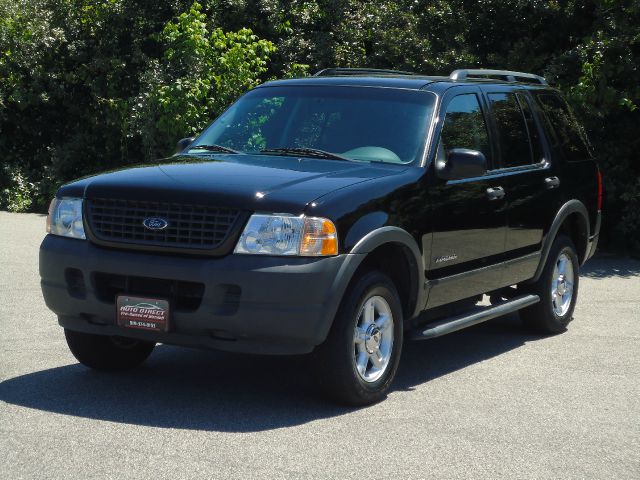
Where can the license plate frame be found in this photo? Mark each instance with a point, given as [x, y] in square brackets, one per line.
[142, 313]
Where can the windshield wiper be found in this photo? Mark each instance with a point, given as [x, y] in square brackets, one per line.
[305, 152]
[213, 148]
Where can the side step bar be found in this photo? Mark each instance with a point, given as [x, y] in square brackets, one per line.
[473, 317]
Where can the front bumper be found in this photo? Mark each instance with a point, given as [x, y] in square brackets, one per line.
[254, 304]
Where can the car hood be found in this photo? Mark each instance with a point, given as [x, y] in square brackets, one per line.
[255, 182]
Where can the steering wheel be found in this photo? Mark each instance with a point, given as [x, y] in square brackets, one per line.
[370, 153]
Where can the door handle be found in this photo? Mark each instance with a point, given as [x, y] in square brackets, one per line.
[552, 182]
[495, 193]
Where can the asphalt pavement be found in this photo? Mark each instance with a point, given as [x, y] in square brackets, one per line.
[493, 401]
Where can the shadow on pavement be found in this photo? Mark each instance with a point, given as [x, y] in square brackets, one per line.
[605, 266]
[203, 390]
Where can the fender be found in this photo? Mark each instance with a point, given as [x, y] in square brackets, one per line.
[364, 226]
[365, 245]
[572, 206]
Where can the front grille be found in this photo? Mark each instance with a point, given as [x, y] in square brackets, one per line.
[194, 227]
[182, 296]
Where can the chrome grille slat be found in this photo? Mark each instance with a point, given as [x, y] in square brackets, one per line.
[190, 226]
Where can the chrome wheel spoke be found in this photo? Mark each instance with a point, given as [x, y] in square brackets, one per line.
[383, 322]
[562, 264]
[373, 339]
[377, 359]
[562, 285]
[359, 336]
[369, 314]
[362, 362]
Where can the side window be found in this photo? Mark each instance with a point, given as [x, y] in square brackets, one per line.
[512, 129]
[562, 122]
[464, 126]
[532, 127]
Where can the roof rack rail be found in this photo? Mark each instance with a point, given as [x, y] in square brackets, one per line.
[508, 75]
[358, 71]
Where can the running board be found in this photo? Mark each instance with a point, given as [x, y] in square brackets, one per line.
[473, 317]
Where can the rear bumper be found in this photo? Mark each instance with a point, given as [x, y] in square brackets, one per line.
[593, 239]
[249, 304]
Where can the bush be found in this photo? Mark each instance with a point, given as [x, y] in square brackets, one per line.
[200, 74]
[17, 196]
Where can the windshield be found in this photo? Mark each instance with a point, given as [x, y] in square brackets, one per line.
[350, 123]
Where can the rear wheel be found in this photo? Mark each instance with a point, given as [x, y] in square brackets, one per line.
[358, 361]
[557, 288]
[102, 352]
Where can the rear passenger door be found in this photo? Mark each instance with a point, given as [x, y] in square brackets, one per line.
[530, 180]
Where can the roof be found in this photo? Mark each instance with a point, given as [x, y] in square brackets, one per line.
[373, 77]
[413, 82]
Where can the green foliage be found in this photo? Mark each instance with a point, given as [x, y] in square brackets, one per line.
[87, 85]
[200, 74]
[607, 97]
[17, 196]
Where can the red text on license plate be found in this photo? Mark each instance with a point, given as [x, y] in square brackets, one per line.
[143, 313]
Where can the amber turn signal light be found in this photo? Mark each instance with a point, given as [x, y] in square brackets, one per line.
[319, 237]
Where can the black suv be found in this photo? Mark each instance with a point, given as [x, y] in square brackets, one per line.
[334, 215]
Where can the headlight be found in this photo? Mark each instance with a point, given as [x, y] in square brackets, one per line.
[65, 218]
[288, 235]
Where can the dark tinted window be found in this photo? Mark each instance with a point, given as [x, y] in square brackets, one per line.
[464, 126]
[532, 127]
[568, 132]
[366, 124]
[512, 129]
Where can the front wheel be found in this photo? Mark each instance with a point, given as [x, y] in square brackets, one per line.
[358, 361]
[102, 352]
[557, 288]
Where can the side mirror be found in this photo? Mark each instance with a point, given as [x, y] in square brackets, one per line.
[184, 143]
[462, 163]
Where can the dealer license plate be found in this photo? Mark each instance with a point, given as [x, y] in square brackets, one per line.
[143, 313]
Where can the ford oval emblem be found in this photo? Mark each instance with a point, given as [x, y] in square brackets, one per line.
[155, 223]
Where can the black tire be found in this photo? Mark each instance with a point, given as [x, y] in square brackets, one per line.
[102, 352]
[542, 317]
[334, 359]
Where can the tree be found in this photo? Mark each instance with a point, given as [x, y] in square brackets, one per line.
[200, 74]
[87, 85]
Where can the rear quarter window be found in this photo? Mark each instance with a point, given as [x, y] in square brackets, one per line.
[567, 134]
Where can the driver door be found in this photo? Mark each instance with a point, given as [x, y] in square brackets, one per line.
[469, 223]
